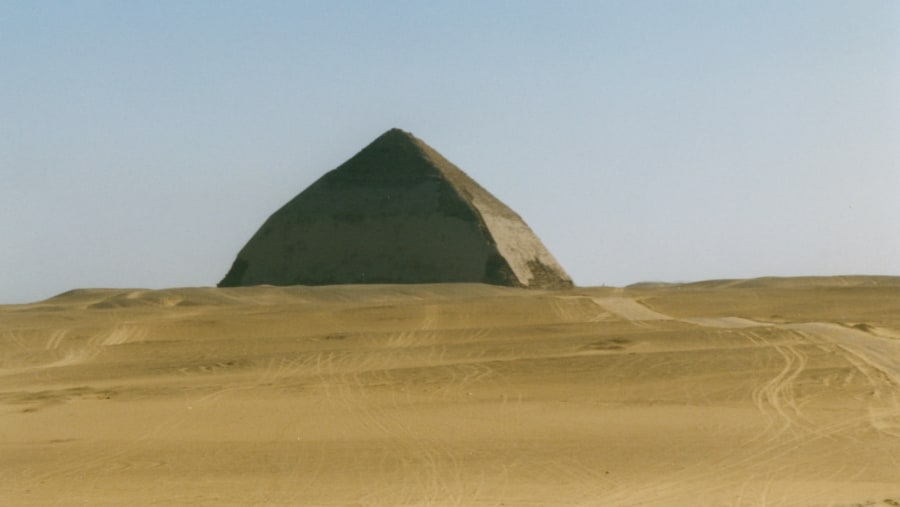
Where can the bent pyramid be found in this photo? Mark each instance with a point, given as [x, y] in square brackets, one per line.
[397, 212]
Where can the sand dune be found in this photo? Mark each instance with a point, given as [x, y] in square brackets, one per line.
[737, 393]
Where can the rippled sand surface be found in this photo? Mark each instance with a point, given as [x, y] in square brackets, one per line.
[732, 393]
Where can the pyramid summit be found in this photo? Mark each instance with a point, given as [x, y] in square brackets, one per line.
[396, 212]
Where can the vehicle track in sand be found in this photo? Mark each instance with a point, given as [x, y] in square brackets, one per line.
[426, 470]
[877, 358]
[879, 352]
[368, 394]
[775, 398]
[66, 348]
[78, 350]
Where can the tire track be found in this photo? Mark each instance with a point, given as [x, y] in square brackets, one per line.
[432, 472]
[877, 358]
[775, 398]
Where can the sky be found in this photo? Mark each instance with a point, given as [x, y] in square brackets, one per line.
[143, 143]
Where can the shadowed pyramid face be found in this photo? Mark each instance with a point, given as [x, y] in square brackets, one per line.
[397, 212]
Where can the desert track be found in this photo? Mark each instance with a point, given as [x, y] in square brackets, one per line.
[453, 395]
[872, 356]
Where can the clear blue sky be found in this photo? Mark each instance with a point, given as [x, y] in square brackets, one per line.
[143, 143]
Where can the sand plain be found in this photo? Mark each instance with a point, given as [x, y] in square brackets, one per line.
[763, 392]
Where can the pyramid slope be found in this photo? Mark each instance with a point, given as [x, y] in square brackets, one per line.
[528, 258]
[396, 212]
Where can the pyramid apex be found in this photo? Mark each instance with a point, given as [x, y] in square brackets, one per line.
[397, 132]
[396, 136]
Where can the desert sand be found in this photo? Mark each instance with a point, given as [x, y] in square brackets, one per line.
[763, 392]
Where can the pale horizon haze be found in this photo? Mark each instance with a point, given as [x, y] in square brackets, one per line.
[143, 143]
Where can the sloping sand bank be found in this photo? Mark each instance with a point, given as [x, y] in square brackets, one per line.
[733, 393]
